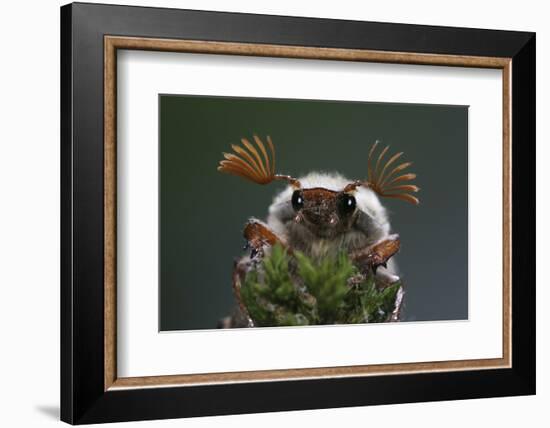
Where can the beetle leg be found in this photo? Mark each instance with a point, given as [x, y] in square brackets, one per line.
[241, 319]
[259, 236]
[377, 255]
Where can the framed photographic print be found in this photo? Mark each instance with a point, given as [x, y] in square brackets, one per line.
[266, 213]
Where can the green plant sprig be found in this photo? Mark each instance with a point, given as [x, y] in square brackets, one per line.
[294, 290]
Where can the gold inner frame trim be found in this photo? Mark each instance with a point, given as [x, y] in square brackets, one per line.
[113, 43]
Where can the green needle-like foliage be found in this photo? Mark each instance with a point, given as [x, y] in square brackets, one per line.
[295, 290]
[327, 282]
[271, 295]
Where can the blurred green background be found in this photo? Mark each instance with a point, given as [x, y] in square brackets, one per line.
[202, 212]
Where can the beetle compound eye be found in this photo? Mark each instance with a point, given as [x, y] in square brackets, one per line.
[297, 200]
[347, 204]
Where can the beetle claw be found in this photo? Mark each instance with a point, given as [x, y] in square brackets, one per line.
[377, 265]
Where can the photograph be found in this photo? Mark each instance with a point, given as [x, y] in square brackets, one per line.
[264, 212]
[244, 214]
[291, 212]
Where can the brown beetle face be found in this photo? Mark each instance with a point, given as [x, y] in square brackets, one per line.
[324, 212]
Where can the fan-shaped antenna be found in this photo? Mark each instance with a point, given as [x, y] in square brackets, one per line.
[254, 163]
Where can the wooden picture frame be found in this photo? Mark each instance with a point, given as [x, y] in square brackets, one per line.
[91, 390]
